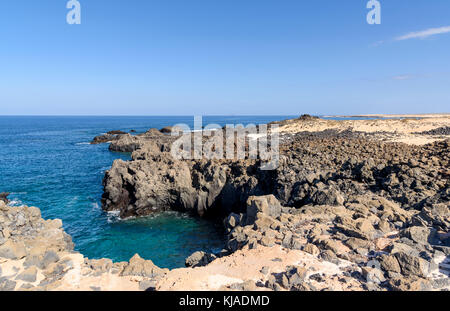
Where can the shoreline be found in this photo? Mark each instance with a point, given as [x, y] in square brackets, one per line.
[318, 228]
[419, 115]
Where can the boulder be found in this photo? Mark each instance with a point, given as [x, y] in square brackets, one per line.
[389, 263]
[125, 143]
[28, 275]
[13, 250]
[409, 284]
[412, 265]
[100, 139]
[147, 285]
[312, 249]
[170, 130]
[116, 132]
[232, 221]
[307, 117]
[421, 235]
[4, 197]
[141, 267]
[199, 259]
[7, 285]
[267, 205]
[327, 197]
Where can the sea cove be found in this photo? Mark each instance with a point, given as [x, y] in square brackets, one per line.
[48, 162]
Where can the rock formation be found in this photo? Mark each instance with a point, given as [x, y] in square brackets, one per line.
[4, 197]
[343, 211]
[382, 207]
[36, 254]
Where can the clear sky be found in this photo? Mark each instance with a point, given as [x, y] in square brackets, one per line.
[215, 57]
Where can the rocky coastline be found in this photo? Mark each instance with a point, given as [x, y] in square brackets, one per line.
[345, 210]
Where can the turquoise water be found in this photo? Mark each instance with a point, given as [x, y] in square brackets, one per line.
[48, 162]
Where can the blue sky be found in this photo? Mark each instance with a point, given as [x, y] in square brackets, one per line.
[214, 57]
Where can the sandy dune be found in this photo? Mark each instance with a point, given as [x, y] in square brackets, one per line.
[407, 130]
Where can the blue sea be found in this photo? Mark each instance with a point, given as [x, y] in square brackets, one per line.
[48, 162]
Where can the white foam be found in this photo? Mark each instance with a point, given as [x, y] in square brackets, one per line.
[15, 203]
[113, 216]
[255, 136]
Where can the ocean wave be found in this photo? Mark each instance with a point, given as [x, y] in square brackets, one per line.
[82, 143]
[104, 169]
[113, 216]
[16, 202]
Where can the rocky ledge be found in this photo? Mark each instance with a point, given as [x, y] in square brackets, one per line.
[37, 255]
[270, 247]
[378, 211]
[4, 197]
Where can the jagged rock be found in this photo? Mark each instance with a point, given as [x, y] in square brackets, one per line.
[389, 263]
[7, 285]
[436, 216]
[409, 284]
[307, 117]
[103, 139]
[141, 267]
[356, 243]
[232, 221]
[29, 275]
[125, 143]
[170, 130]
[147, 285]
[421, 235]
[398, 247]
[412, 265]
[199, 259]
[4, 197]
[13, 250]
[328, 255]
[267, 205]
[100, 266]
[116, 132]
[327, 197]
[312, 249]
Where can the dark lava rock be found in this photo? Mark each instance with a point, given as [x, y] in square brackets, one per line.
[307, 117]
[315, 170]
[438, 131]
[116, 132]
[4, 197]
[170, 130]
[103, 139]
[199, 259]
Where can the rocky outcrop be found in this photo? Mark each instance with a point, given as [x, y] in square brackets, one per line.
[108, 137]
[320, 171]
[36, 254]
[381, 253]
[445, 130]
[105, 138]
[170, 130]
[381, 207]
[307, 117]
[4, 197]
